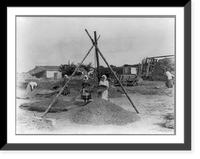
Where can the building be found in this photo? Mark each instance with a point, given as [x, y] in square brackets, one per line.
[130, 69]
[46, 72]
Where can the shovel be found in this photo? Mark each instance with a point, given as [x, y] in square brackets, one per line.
[50, 121]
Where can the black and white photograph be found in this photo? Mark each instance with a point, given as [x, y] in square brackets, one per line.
[95, 75]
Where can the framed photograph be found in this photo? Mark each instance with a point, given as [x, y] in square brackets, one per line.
[98, 78]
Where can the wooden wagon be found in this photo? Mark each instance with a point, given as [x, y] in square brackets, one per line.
[126, 80]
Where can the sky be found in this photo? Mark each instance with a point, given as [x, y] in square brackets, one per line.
[53, 41]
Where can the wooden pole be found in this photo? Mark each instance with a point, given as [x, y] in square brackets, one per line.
[112, 72]
[55, 100]
[97, 56]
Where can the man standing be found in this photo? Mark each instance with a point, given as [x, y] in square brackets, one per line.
[170, 76]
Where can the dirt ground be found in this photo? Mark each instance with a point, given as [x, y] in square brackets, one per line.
[155, 110]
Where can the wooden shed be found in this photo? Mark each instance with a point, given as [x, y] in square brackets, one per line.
[46, 72]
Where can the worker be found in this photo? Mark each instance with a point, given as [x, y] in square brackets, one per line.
[31, 85]
[66, 90]
[65, 79]
[104, 82]
[85, 94]
[170, 76]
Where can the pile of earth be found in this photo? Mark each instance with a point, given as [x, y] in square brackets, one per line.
[41, 106]
[102, 112]
[35, 94]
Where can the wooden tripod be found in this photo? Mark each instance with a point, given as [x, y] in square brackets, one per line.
[96, 47]
[97, 52]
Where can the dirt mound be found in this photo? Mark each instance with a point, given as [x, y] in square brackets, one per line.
[102, 112]
[42, 105]
[23, 94]
[36, 94]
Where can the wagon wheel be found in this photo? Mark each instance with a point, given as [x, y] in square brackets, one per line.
[125, 83]
[134, 82]
[115, 82]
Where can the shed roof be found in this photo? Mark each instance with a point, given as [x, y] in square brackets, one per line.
[39, 69]
[127, 65]
[49, 68]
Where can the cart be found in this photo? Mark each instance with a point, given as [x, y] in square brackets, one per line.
[126, 80]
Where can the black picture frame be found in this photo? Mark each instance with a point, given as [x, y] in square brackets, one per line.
[127, 147]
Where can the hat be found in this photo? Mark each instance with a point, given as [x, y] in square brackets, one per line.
[104, 76]
[85, 77]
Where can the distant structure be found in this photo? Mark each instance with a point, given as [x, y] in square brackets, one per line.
[46, 72]
[130, 69]
[148, 64]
